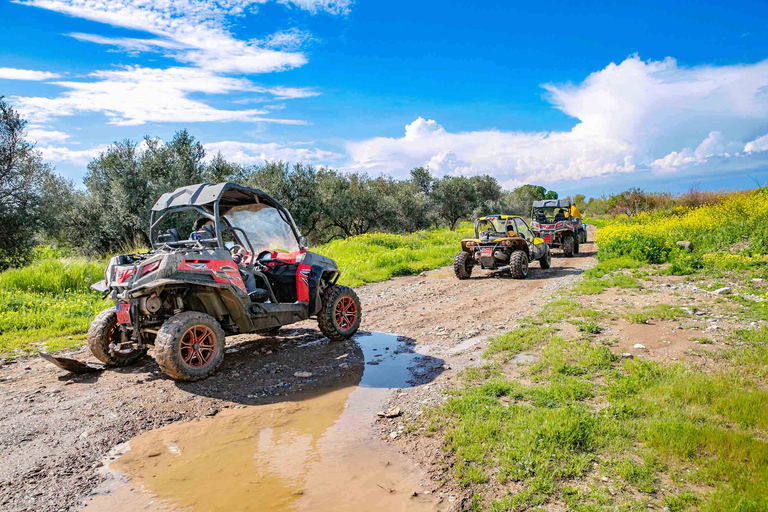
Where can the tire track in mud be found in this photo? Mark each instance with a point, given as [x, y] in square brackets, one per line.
[56, 428]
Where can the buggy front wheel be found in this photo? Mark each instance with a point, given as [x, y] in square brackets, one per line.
[340, 314]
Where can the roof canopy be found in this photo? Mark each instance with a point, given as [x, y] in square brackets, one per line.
[552, 203]
[227, 194]
[499, 216]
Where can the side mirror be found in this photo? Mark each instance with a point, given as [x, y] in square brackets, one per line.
[303, 241]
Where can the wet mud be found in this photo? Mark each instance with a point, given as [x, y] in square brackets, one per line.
[317, 453]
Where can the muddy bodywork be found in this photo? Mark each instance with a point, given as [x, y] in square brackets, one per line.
[554, 220]
[197, 273]
[492, 249]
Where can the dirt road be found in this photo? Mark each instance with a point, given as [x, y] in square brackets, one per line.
[56, 428]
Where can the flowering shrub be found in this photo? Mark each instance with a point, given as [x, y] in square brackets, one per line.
[740, 219]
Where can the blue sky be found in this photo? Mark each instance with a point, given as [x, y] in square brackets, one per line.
[589, 97]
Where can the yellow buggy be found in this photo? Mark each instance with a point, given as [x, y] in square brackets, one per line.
[500, 241]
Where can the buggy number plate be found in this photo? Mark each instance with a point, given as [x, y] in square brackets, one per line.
[123, 313]
[487, 252]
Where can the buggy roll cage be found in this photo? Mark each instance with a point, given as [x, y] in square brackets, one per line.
[551, 204]
[510, 220]
[206, 197]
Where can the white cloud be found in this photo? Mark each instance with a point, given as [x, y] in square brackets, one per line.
[258, 153]
[630, 116]
[759, 144]
[41, 136]
[135, 95]
[26, 74]
[194, 33]
[62, 154]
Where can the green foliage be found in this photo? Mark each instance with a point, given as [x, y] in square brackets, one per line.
[592, 286]
[54, 276]
[48, 304]
[638, 245]
[22, 174]
[609, 265]
[379, 256]
[518, 340]
[587, 326]
[684, 263]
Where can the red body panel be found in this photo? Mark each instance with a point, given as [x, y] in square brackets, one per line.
[123, 311]
[302, 283]
[223, 271]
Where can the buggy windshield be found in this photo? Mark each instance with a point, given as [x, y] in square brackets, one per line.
[266, 229]
[491, 225]
[550, 215]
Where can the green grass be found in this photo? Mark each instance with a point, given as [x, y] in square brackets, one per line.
[379, 256]
[594, 286]
[657, 312]
[664, 434]
[48, 305]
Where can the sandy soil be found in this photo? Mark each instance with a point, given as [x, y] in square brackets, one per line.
[56, 428]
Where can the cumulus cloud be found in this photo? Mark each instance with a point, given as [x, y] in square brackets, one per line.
[757, 145]
[258, 153]
[41, 136]
[26, 74]
[629, 116]
[63, 154]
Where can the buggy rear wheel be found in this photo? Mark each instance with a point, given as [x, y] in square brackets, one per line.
[190, 346]
[568, 245]
[462, 265]
[104, 331]
[576, 245]
[339, 317]
[518, 265]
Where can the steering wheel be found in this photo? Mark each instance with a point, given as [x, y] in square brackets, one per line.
[235, 249]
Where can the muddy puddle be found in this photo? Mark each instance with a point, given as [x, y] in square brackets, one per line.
[318, 453]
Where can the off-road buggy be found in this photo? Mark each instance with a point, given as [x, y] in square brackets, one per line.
[501, 240]
[558, 222]
[187, 293]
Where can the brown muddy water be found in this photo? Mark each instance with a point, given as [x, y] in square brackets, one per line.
[318, 454]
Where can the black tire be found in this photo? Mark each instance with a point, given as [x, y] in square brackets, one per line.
[462, 265]
[272, 331]
[340, 314]
[546, 261]
[518, 265]
[568, 245]
[103, 331]
[584, 237]
[178, 352]
[576, 245]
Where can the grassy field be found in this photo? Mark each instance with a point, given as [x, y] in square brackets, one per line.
[584, 429]
[663, 434]
[735, 229]
[48, 305]
[379, 256]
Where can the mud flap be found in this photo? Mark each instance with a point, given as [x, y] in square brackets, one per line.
[73, 365]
